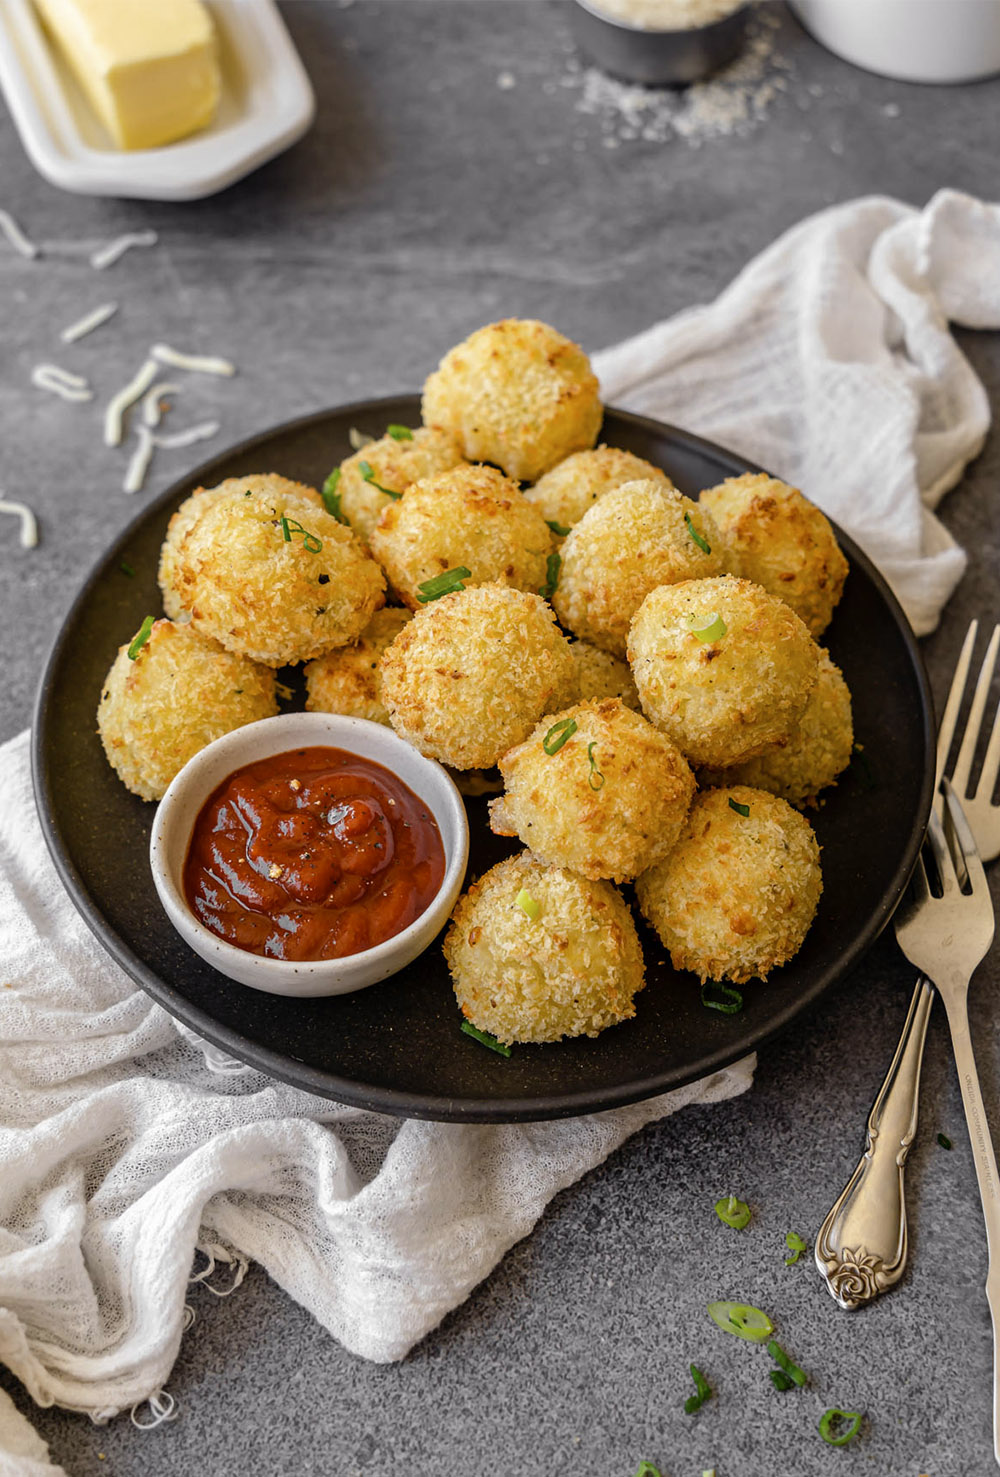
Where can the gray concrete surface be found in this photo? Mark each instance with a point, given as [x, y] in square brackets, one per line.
[452, 177]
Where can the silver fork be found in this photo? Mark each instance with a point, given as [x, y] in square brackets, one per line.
[947, 937]
[871, 1209]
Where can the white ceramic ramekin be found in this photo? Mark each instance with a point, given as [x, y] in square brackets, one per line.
[912, 40]
[187, 793]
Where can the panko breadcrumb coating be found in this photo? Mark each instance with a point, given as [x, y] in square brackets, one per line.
[781, 541]
[347, 680]
[190, 511]
[571, 971]
[473, 672]
[641, 535]
[472, 517]
[516, 393]
[610, 801]
[181, 692]
[250, 573]
[727, 699]
[599, 674]
[563, 495]
[818, 750]
[395, 464]
[736, 896]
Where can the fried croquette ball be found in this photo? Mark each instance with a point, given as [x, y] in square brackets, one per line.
[273, 576]
[473, 672]
[473, 518]
[516, 393]
[190, 511]
[818, 750]
[736, 896]
[599, 674]
[571, 970]
[609, 802]
[781, 541]
[347, 680]
[641, 535]
[563, 495]
[394, 463]
[722, 667]
[181, 692]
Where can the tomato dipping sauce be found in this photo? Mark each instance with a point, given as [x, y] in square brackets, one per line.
[312, 854]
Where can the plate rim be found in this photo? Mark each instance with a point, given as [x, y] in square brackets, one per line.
[431, 1106]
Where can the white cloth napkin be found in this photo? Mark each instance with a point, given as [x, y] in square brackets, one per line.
[829, 362]
[124, 1144]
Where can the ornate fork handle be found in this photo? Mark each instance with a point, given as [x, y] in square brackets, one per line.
[861, 1247]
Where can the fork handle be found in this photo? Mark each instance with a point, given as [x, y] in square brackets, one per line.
[861, 1247]
[986, 1172]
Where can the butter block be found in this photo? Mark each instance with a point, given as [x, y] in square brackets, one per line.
[149, 68]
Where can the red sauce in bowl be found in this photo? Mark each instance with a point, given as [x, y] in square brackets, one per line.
[312, 854]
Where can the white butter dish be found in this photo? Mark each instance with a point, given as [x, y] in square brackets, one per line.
[267, 103]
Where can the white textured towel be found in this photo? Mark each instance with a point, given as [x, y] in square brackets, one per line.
[124, 1145]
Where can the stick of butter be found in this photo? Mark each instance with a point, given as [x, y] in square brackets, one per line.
[149, 68]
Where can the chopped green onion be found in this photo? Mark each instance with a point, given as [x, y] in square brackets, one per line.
[331, 497]
[126, 568]
[733, 1212]
[558, 735]
[740, 809]
[559, 529]
[833, 1417]
[699, 538]
[779, 1379]
[646, 1469]
[485, 1038]
[552, 566]
[796, 1245]
[309, 540]
[365, 468]
[596, 777]
[527, 904]
[795, 1374]
[731, 1002]
[944, 1141]
[708, 627]
[448, 583]
[399, 433]
[140, 638]
[702, 1387]
[742, 1319]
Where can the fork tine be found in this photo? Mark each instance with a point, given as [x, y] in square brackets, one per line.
[938, 843]
[963, 765]
[947, 730]
[991, 764]
[964, 836]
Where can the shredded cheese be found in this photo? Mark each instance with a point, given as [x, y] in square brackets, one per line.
[118, 404]
[29, 525]
[16, 237]
[152, 411]
[196, 363]
[60, 382]
[88, 323]
[106, 256]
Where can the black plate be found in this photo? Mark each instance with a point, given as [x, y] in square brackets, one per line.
[396, 1047]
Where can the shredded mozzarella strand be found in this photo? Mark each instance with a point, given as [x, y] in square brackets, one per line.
[106, 256]
[135, 474]
[152, 411]
[60, 382]
[16, 237]
[88, 323]
[118, 405]
[187, 438]
[29, 526]
[196, 363]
